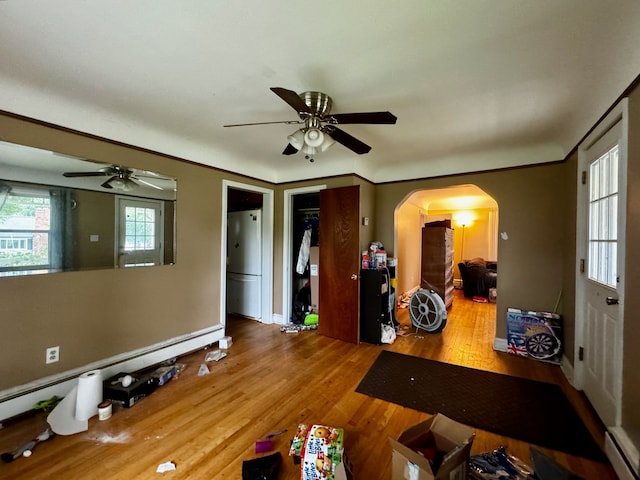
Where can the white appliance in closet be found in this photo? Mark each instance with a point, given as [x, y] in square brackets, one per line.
[244, 263]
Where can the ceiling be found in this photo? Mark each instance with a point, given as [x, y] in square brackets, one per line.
[475, 84]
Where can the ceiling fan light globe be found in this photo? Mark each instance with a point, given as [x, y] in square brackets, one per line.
[313, 137]
[118, 184]
[310, 150]
[328, 141]
[128, 186]
[296, 139]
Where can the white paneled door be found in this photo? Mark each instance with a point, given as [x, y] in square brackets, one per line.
[600, 284]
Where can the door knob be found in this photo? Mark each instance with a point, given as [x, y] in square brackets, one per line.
[354, 276]
[612, 301]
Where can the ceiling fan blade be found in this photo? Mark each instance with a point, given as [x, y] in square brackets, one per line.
[85, 174]
[386, 118]
[287, 122]
[107, 184]
[290, 150]
[149, 184]
[347, 140]
[292, 98]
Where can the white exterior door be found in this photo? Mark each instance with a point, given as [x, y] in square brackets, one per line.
[602, 195]
[139, 232]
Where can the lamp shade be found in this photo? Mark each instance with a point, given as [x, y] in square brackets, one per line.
[313, 137]
[296, 139]
[310, 141]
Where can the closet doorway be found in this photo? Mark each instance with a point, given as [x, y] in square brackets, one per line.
[301, 232]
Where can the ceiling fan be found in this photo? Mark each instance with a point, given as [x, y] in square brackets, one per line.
[120, 178]
[320, 131]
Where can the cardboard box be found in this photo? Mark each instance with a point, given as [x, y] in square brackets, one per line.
[140, 387]
[225, 342]
[319, 449]
[535, 335]
[453, 442]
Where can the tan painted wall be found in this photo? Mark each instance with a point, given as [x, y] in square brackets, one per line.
[530, 261]
[409, 250]
[92, 208]
[94, 315]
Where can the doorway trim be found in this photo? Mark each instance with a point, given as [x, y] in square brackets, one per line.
[287, 247]
[267, 249]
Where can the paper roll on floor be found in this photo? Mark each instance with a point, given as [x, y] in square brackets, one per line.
[89, 394]
[63, 417]
[72, 414]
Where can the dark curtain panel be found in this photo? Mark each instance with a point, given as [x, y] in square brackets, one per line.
[61, 238]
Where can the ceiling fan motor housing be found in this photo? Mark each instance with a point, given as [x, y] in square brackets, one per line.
[319, 103]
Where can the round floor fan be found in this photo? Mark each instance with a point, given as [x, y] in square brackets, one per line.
[427, 311]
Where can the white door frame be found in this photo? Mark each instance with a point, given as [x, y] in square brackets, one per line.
[618, 113]
[267, 249]
[287, 247]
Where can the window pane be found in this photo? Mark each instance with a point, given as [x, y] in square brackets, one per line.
[603, 218]
[24, 230]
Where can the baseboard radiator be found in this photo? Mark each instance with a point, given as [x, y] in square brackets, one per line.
[20, 399]
[622, 453]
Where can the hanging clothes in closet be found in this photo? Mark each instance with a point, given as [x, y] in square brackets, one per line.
[311, 223]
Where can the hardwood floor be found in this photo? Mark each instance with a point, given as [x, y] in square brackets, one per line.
[270, 381]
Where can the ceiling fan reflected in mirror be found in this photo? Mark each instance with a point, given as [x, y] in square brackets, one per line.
[120, 178]
[319, 131]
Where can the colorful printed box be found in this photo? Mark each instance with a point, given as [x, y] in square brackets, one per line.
[535, 335]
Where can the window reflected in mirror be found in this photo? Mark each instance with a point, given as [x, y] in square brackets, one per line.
[61, 213]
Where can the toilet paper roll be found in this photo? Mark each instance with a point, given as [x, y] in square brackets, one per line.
[62, 418]
[89, 394]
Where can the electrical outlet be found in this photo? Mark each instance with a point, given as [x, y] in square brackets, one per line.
[53, 355]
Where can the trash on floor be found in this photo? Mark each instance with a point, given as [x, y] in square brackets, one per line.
[295, 328]
[215, 355]
[265, 444]
[204, 370]
[26, 449]
[225, 342]
[166, 467]
[262, 468]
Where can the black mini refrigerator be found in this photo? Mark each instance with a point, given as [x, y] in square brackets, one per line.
[375, 308]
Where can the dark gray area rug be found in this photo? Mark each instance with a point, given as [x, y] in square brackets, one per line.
[535, 412]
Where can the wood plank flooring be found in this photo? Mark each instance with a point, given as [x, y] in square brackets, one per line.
[270, 380]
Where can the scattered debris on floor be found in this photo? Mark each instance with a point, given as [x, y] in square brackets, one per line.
[266, 444]
[262, 468]
[215, 356]
[26, 449]
[166, 467]
[295, 327]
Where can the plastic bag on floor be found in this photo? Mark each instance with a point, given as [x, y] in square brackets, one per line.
[388, 334]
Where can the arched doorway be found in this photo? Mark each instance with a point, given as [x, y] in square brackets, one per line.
[473, 215]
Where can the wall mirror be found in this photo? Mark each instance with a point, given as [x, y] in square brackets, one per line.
[61, 213]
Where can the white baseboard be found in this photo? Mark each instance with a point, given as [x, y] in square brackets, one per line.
[20, 399]
[278, 319]
[622, 453]
[567, 369]
[500, 344]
